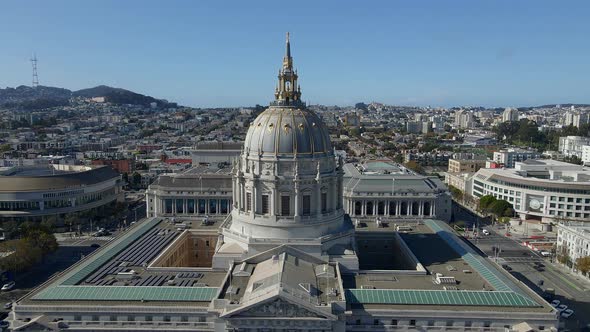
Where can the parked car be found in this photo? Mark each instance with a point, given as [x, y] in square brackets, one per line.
[485, 232]
[561, 308]
[8, 305]
[507, 267]
[8, 286]
[555, 303]
[567, 313]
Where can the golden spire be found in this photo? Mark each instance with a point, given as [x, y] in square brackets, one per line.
[287, 60]
[288, 92]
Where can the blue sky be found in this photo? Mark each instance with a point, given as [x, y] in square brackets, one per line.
[222, 53]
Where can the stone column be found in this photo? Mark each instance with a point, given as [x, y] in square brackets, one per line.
[233, 191]
[318, 192]
[272, 200]
[296, 212]
[421, 208]
[398, 208]
[254, 202]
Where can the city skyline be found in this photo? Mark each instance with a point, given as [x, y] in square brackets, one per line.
[214, 55]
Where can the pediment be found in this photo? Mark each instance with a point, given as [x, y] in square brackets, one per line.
[281, 306]
[278, 308]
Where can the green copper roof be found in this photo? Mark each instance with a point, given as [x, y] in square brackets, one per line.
[438, 297]
[125, 293]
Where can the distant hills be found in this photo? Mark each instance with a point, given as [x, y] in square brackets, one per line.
[29, 98]
[562, 105]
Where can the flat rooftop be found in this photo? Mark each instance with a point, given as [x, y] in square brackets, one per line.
[477, 283]
[120, 271]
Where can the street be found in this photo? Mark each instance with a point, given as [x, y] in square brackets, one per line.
[535, 271]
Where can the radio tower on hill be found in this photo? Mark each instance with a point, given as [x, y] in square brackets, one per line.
[35, 76]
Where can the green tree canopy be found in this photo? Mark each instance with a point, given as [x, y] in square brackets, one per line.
[486, 201]
[583, 264]
[502, 208]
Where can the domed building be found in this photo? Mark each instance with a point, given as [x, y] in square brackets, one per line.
[287, 183]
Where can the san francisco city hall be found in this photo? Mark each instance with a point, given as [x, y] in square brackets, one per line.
[289, 238]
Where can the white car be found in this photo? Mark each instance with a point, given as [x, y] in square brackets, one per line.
[561, 308]
[567, 313]
[555, 303]
[8, 286]
[485, 232]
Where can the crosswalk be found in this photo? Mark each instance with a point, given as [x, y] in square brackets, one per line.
[103, 238]
[520, 259]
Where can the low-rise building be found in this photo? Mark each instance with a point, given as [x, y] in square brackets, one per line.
[461, 181]
[508, 157]
[573, 240]
[465, 165]
[571, 146]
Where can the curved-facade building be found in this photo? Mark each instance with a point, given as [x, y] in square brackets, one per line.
[544, 190]
[31, 192]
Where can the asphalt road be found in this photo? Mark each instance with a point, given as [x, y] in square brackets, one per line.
[569, 289]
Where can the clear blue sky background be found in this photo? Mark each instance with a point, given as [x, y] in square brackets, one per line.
[221, 53]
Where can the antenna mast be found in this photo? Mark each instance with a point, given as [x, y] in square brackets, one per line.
[35, 76]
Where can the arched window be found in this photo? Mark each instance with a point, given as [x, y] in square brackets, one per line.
[264, 203]
[358, 208]
[369, 211]
[285, 205]
[306, 203]
[381, 208]
[404, 209]
[324, 199]
[415, 208]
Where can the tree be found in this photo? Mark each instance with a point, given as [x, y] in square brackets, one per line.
[414, 166]
[485, 202]
[125, 178]
[583, 264]
[456, 192]
[136, 179]
[501, 208]
[563, 255]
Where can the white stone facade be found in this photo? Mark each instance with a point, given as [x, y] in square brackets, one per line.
[545, 190]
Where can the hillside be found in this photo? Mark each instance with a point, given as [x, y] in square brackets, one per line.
[28, 98]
